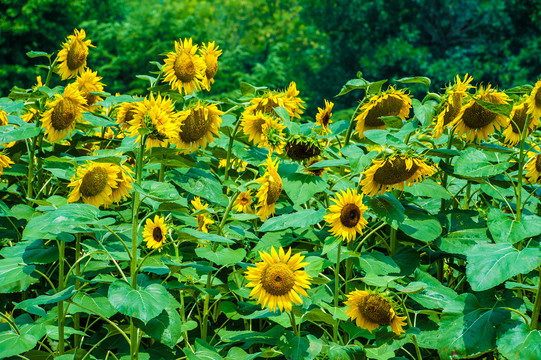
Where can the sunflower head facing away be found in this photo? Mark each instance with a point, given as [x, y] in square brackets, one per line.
[198, 125]
[390, 103]
[73, 56]
[292, 102]
[323, 117]
[87, 82]
[394, 173]
[210, 54]
[371, 311]
[534, 101]
[155, 232]
[451, 106]
[184, 69]
[94, 183]
[277, 280]
[518, 118]
[300, 147]
[346, 215]
[272, 135]
[270, 190]
[533, 166]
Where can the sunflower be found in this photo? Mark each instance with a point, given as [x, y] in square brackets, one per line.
[533, 166]
[5, 162]
[197, 126]
[243, 202]
[452, 104]
[94, 183]
[124, 183]
[534, 101]
[63, 113]
[238, 164]
[300, 147]
[476, 122]
[371, 311]
[210, 54]
[30, 115]
[87, 82]
[202, 219]
[125, 114]
[277, 280]
[316, 172]
[265, 103]
[292, 103]
[518, 118]
[346, 215]
[272, 135]
[394, 173]
[252, 125]
[270, 190]
[154, 232]
[390, 103]
[72, 57]
[159, 117]
[323, 117]
[3, 118]
[184, 70]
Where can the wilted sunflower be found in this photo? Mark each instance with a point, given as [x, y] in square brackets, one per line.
[94, 183]
[394, 173]
[323, 117]
[72, 57]
[184, 69]
[159, 117]
[87, 82]
[124, 183]
[243, 202]
[252, 125]
[210, 54]
[272, 135]
[452, 104]
[292, 103]
[390, 103]
[63, 113]
[346, 215]
[476, 122]
[5, 162]
[518, 118]
[371, 311]
[270, 190]
[277, 280]
[533, 166]
[534, 101]
[265, 103]
[155, 232]
[203, 220]
[197, 126]
[300, 147]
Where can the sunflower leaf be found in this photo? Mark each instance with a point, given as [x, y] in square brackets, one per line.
[415, 80]
[300, 219]
[520, 342]
[500, 109]
[353, 84]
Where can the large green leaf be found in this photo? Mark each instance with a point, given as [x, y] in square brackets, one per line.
[157, 191]
[434, 295]
[474, 163]
[299, 219]
[222, 256]
[420, 226]
[492, 264]
[9, 133]
[299, 348]
[15, 276]
[460, 242]
[249, 338]
[47, 299]
[429, 188]
[199, 183]
[202, 351]
[388, 208]
[31, 252]
[505, 229]
[164, 328]
[93, 303]
[520, 342]
[12, 343]
[302, 187]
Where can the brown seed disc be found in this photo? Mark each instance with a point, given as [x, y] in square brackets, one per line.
[63, 114]
[76, 55]
[275, 188]
[278, 279]
[157, 234]
[376, 309]
[94, 181]
[212, 66]
[519, 119]
[538, 163]
[350, 215]
[195, 126]
[393, 171]
[389, 107]
[184, 68]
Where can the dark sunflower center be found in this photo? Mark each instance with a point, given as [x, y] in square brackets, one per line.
[393, 171]
[350, 215]
[376, 309]
[76, 55]
[275, 188]
[537, 98]
[453, 109]
[184, 68]
[157, 234]
[538, 163]
[63, 114]
[278, 279]
[519, 119]
[212, 66]
[257, 125]
[244, 200]
[200, 221]
[325, 119]
[195, 126]
[90, 99]
[391, 106]
[476, 116]
[94, 182]
[129, 114]
[300, 150]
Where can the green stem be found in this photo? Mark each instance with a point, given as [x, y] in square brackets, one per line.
[204, 322]
[161, 174]
[351, 124]
[77, 316]
[413, 337]
[227, 211]
[394, 241]
[536, 306]
[61, 253]
[31, 160]
[293, 324]
[229, 148]
[520, 167]
[336, 289]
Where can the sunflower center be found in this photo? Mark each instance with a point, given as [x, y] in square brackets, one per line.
[212, 66]
[244, 200]
[538, 163]
[129, 114]
[64, 114]
[76, 55]
[376, 309]
[90, 99]
[195, 126]
[275, 188]
[350, 215]
[537, 98]
[157, 234]
[394, 172]
[519, 119]
[267, 105]
[184, 68]
[325, 119]
[94, 182]
[391, 106]
[278, 279]
[476, 116]
[300, 150]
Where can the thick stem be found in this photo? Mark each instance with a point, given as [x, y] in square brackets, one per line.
[204, 322]
[336, 289]
[351, 124]
[536, 306]
[294, 324]
[394, 241]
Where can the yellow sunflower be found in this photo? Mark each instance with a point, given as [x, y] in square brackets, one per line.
[371, 311]
[475, 122]
[277, 280]
[203, 220]
[87, 82]
[518, 120]
[394, 173]
[184, 69]
[390, 103]
[534, 101]
[3, 118]
[323, 117]
[158, 115]
[30, 115]
[237, 164]
[346, 215]
[154, 232]
[72, 57]
[315, 172]
[265, 103]
[272, 135]
[252, 125]
[63, 113]
[210, 54]
[270, 190]
[301, 147]
[124, 183]
[292, 103]
[125, 114]
[453, 104]
[94, 183]
[243, 202]
[533, 166]
[197, 126]
[5, 162]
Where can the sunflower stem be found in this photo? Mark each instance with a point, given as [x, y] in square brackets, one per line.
[351, 124]
[413, 337]
[294, 324]
[394, 241]
[61, 252]
[205, 316]
[537, 306]
[31, 160]
[336, 289]
[227, 211]
[523, 136]
[229, 148]
[161, 174]
[77, 316]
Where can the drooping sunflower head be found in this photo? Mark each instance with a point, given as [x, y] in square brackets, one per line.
[243, 202]
[87, 82]
[5, 162]
[323, 117]
[94, 183]
[534, 101]
[252, 125]
[452, 104]
[277, 280]
[371, 311]
[155, 232]
[533, 166]
[394, 172]
[203, 219]
[346, 215]
[184, 69]
[390, 103]
[270, 190]
[265, 103]
[518, 117]
[63, 113]
[72, 57]
[198, 125]
[292, 102]
[300, 147]
[476, 122]
[210, 54]
[272, 135]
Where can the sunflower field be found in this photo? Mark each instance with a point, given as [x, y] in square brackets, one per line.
[173, 225]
